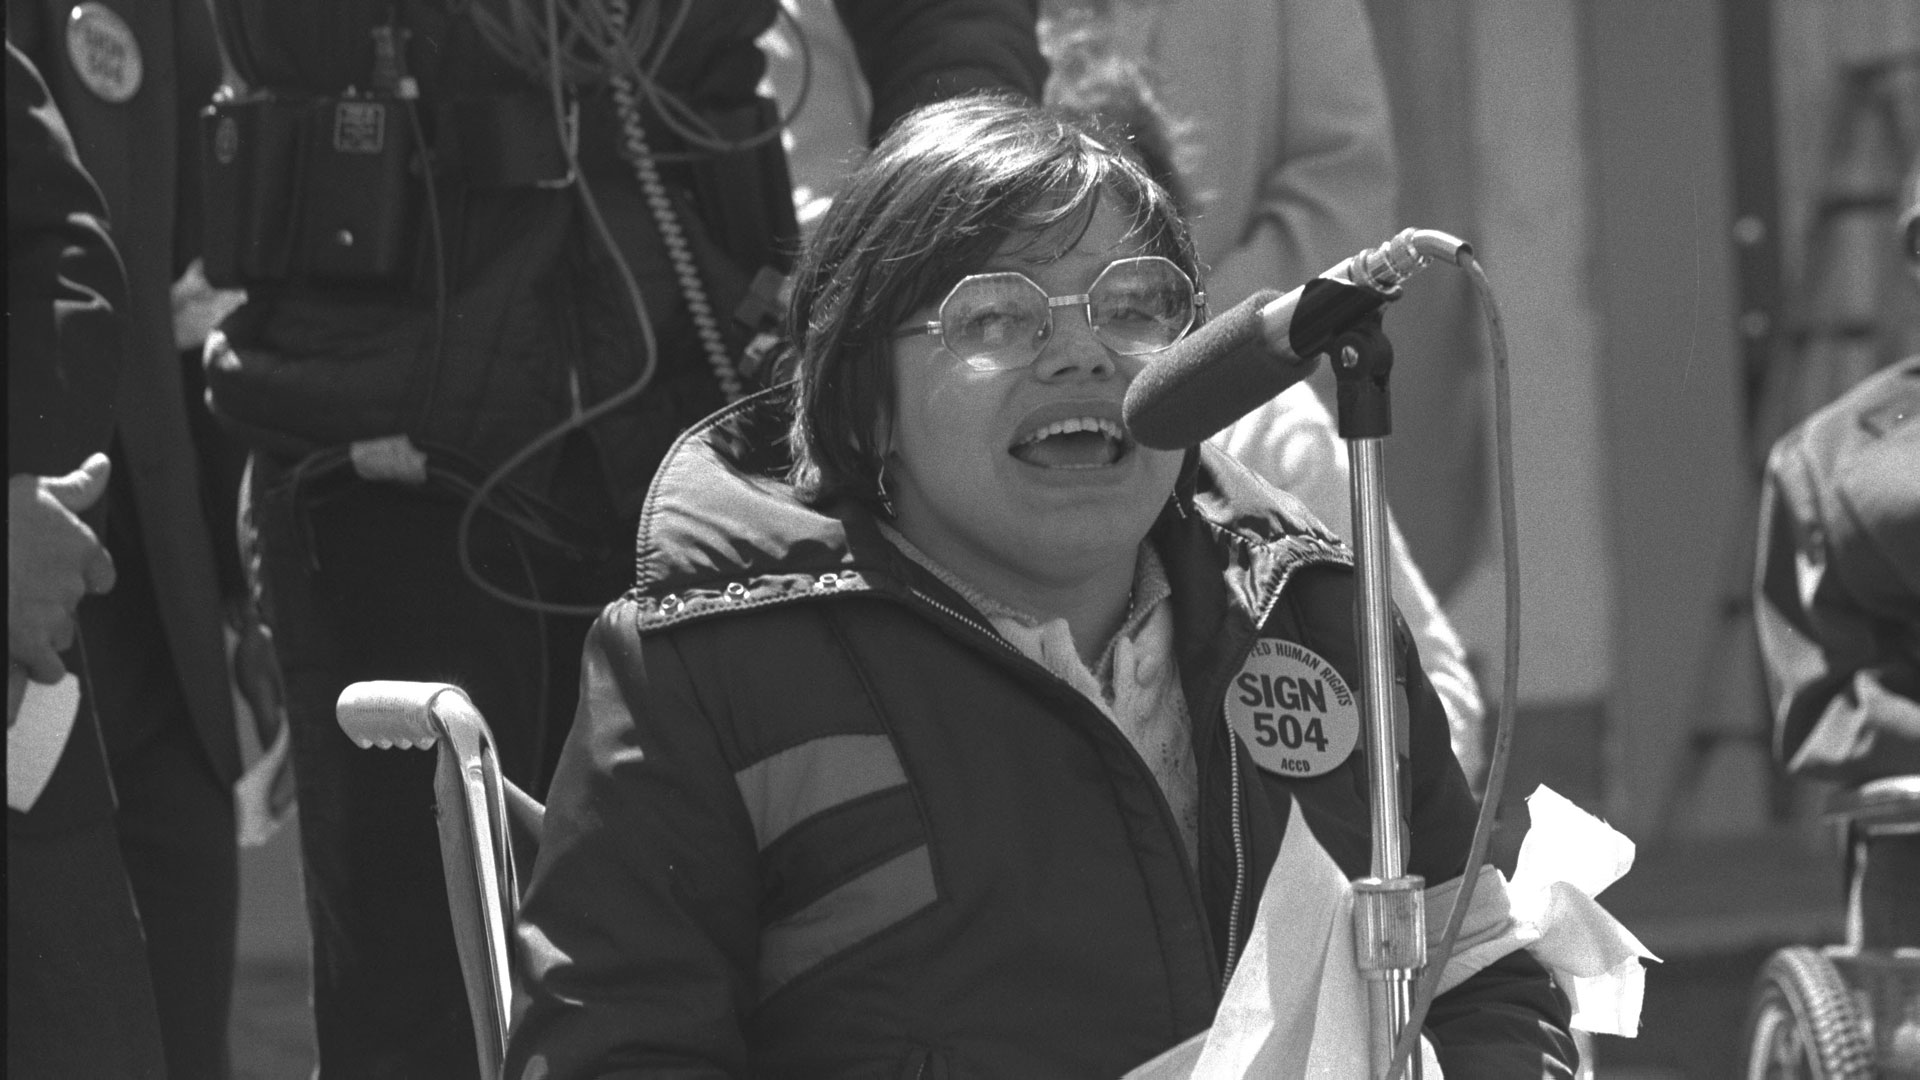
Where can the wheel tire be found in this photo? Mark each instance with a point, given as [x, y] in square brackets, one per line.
[1803, 1024]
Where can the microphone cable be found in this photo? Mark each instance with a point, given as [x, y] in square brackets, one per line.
[1428, 985]
[649, 351]
[589, 42]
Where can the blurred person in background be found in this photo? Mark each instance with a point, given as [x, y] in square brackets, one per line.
[507, 278]
[80, 1001]
[1837, 607]
[1269, 122]
[129, 77]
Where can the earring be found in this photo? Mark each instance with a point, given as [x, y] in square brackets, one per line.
[880, 485]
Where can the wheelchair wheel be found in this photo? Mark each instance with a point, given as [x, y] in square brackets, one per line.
[1803, 1023]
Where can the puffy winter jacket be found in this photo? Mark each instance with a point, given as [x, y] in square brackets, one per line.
[815, 818]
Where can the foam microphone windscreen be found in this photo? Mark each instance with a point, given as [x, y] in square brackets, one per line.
[1212, 377]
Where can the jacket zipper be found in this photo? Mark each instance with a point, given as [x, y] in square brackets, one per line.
[970, 623]
[1239, 862]
[1239, 833]
[1233, 773]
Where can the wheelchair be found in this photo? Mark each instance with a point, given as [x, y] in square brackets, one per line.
[1849, 1011]
[488, 827]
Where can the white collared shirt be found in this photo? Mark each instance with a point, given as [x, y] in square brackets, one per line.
[1134, 683]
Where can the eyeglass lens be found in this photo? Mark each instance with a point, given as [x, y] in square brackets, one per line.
[1136, 306]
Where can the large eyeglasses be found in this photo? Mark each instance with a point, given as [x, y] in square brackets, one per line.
[1000, 321]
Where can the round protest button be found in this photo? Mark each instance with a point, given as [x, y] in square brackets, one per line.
[104, 53]
[1293, 711]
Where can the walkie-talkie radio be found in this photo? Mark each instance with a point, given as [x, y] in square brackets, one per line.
[314, 188]
[250, 151]
[308, 188]
[354, 226]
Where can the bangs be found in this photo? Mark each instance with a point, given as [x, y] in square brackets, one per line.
[1060, 218]
[1026, 195]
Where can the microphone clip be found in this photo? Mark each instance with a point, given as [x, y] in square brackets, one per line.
[1362, 358]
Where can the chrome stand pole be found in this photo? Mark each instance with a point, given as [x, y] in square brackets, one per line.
[1389, 911]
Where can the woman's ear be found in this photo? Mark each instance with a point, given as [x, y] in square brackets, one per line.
[879, 441]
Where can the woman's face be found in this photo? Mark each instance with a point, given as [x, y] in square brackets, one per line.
[1027, 471]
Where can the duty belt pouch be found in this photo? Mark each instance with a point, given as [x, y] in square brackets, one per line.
[250, 151]
[308, 189]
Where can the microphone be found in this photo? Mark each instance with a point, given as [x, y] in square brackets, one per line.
[1267, 342]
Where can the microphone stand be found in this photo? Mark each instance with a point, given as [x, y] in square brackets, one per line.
[1389, 910]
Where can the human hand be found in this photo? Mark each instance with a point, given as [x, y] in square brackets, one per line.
[53, 560]
[198, 307]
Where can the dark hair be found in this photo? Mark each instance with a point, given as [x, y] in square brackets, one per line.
[944, 190]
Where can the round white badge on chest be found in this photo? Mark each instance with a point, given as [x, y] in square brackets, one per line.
[1293, 711]
[104, 52]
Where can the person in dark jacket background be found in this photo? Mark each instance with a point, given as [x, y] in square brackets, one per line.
[126, 74]
[947, 731]
[79, 999]
[451, 445]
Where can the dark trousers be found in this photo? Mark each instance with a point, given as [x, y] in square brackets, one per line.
[362, 581]
[174, 817]
[79, 1002]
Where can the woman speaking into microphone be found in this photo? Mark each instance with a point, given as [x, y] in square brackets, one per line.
[947, 731]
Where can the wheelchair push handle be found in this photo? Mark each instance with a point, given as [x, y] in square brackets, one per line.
[390, 713]
[470, 803]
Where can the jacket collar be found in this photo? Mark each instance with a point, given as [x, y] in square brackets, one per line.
[722, 531]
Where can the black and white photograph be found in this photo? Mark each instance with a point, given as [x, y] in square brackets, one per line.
[963, 539]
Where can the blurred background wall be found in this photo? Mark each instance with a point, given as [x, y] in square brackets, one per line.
[1686, 209]
[1642, 180]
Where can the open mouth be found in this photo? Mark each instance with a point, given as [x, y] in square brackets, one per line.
[1080, 442]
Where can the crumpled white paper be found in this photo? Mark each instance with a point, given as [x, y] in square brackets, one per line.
[37, 730]
[1567, 858]
[1296, 1007]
